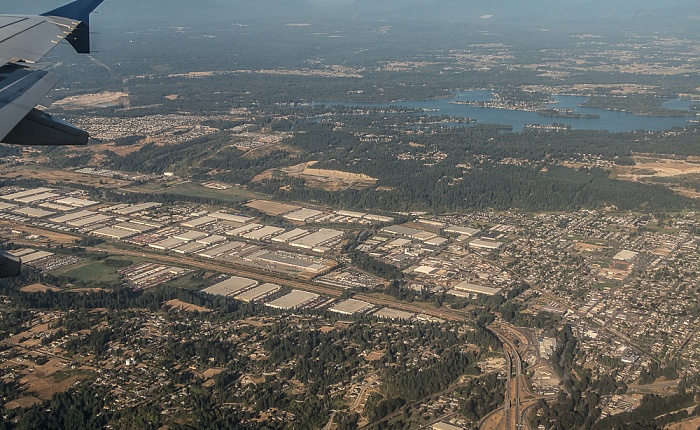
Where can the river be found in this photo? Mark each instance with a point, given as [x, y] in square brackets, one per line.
[612, 121]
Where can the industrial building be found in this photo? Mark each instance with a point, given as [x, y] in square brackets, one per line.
[221, 249]
[167, 244]
[75, 215]
[290, 235]
[76, 203]
[132, 209]
[22, 194]
[37, 198]
[263, 233]
[303, 215]
[394, 314]
[474, 288]
[485, 244]
[351, 306]
[114, 233]
[409, 232]
[293, 300]
[223, 216]
[198, 222]
[243, 230]
[33, 212]
[313, 240]
[231, 286]
[258, 293]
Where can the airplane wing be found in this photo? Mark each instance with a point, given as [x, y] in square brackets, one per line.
[24, 40]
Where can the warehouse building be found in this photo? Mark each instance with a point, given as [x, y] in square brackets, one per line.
[243, 230]
[290, 235]
[132, 209]
[394, 314]
[314, 240]
[295, 299]
[351, 306]
[76, 203]
[303, 215]
[263, 233]
[474, 288]
[33, 212]
[231, 286]
[221, 249]
[114, 233]
[26, 193]
[223, 216]
[485, 244]
[412, 233]
[258, 293]
[198, 222]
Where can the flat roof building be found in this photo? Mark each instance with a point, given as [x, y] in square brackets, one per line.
[189, 248]
[245, 229]
[75, 215]
[132, 209]
[351, 306]
[290, 235]
[198, 222]
[37, 197]
[318, 238]
[190, 235]
[94, 219]
[33, 212]
[258, 293]
[77, 203]
[462, 231]
[474, 288]
[114, 233]
[263, 233]
[293, 300]
[167, 244]
[231, 217]
[303, 215]
[485, 244]
[233, 285]
[409, 232]
[224, 248]
[26, 193]
[394, 314]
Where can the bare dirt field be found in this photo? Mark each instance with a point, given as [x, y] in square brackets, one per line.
[104, 99]
[23, 402]
[329, 180]
[184, 306]
[649, 167]
[272, 208]
[51, 236]
[51, 378]
[38, 288]
[691, 424]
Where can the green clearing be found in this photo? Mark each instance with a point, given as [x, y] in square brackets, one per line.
[604, 285]
[190, 189]
[92, 271]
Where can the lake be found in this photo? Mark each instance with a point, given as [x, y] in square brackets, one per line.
[612, 121]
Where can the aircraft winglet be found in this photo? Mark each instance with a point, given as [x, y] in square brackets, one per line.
[78, 10]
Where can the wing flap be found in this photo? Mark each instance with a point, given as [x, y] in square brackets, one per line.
[31, 38]
[22, 89]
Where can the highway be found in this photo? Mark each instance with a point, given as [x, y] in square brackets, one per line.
[229, 269]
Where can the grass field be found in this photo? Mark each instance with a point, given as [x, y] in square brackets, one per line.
[231, 195]
[92, 271]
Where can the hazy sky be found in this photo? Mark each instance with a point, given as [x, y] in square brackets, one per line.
[506, 12]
